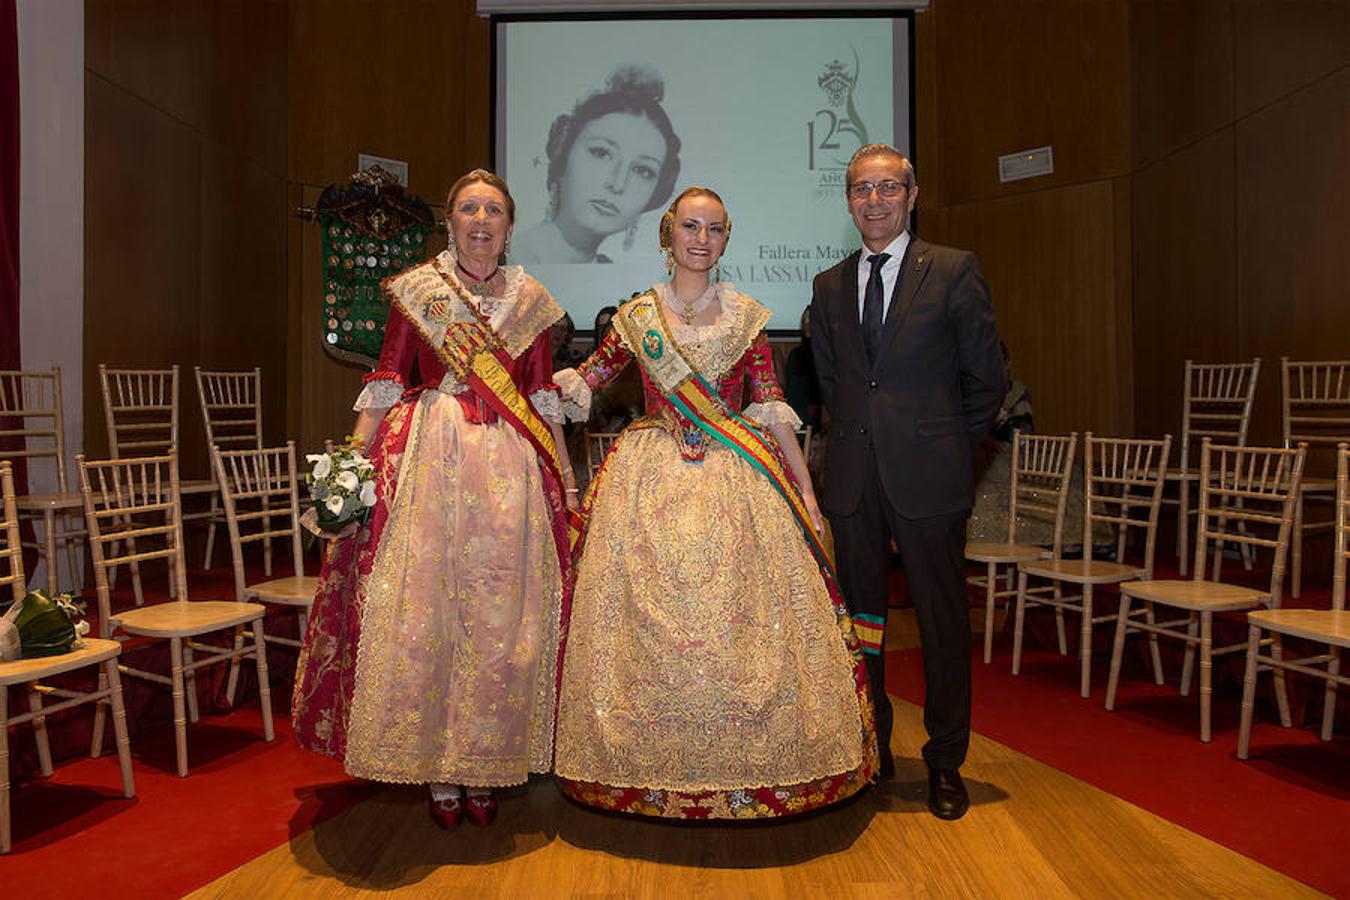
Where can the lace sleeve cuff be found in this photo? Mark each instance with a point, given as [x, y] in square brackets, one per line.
[576, 394]
[773, 412]
[548, 404]
[380, 394]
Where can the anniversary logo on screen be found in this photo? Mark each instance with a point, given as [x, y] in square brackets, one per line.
[831, 136]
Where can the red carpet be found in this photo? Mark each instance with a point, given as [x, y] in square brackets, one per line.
[1286, 807]
[242, 797]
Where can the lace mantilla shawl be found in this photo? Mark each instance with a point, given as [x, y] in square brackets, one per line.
[431, 302]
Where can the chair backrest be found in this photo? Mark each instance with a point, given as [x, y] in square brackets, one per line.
[140, 409]
[1217, 404]
[597, 447]
[231, 402]
[1042, 467]
[1247, 496]
[258, 488]
[1315, 403]
[127, 504]
[33, 401]
[1122, 487]
[11, 551]
[1342, 526]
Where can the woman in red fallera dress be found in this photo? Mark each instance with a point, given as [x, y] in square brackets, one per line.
[431, 652]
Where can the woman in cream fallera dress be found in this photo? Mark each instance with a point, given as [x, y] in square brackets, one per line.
[710, 668]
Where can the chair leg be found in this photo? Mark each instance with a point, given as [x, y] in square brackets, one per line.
[1059, 625]
[119, 717]
[49, 547]
[1329, 698]
[4, 770]
[100, 720]
[179, 711]
[264, 688]
[1184, 529]
[1281, 689]
[1011, 587]
[1085, 644]
[1296, 581]
[1017, 625]
[1206, 672]
[190, 683]
[1248, 690]
[990, 588]
[1151, 618]
[232, 682]
[211, 531]
[1188, 661]
[1117, 650]
[44, 748]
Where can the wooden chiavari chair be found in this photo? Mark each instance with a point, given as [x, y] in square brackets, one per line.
[598, 444]
[1320, 626]
[1247, 495]
[30, 673]
[1314, 410]
[1041, 469]
[129, 503]
[1122, 488]
[231, 403]
[261, 505]
[33, 401]
[140, 409]
[1217, 404]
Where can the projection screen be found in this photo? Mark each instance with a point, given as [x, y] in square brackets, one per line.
[766, 111]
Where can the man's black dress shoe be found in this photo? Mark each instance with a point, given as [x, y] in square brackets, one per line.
[947, 797]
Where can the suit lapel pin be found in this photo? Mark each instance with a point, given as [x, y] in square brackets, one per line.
[918, 264]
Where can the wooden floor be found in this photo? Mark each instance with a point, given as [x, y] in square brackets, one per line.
[1032, 831]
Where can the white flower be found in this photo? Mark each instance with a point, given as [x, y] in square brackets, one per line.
[322, 467]
[348, 481]
[81, 628]
[368, 494]
[334, 504]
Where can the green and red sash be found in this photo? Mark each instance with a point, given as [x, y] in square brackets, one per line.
[644, 328]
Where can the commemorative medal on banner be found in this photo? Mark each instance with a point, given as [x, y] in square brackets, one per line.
[371, 229]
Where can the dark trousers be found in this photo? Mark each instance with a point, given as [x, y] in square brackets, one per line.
[932, 551]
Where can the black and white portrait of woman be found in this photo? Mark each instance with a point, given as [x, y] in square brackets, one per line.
[613, 158]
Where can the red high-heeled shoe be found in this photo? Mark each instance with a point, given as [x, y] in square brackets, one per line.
[481, 809]
[447, 813]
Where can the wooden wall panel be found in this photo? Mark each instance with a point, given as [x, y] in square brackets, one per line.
[1013, 76]
[1051, 261]
[142, 254]
[185, 197]
[1281, 47]
[1183, 246]
[407, 79]
[1181, 71]
[1293, 228]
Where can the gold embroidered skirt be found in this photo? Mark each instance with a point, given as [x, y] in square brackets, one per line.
[455, 669]
[706, 658]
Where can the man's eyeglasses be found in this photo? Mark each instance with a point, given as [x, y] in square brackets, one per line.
[861, 190]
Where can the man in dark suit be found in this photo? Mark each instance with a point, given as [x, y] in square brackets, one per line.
[910, 371]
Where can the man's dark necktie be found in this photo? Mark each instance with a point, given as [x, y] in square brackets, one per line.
[873, 303]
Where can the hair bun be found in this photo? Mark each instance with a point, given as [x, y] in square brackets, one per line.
[639, 79]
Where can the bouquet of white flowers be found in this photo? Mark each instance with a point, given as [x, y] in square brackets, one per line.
[342, 485]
